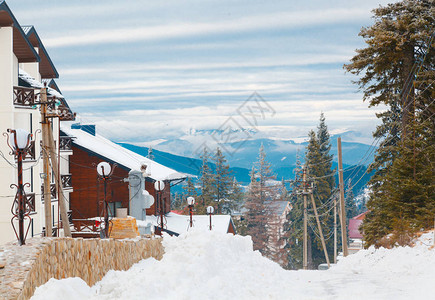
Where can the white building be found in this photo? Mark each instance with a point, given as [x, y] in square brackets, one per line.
[24, 65]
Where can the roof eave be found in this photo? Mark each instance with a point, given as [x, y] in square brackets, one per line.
[53, 72]
[32, 54]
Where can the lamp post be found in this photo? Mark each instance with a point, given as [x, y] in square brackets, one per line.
[104, 170]
[19, 142]
[191, 203]
[159, 185]
[210, 211]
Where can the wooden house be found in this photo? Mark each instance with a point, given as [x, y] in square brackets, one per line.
[89, 149]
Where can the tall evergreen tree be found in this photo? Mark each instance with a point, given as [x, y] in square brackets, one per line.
[221, 186]
[351, 209]
[236, 196]
[205, 194]
[397, 69]
[319, 165]
[294, 223]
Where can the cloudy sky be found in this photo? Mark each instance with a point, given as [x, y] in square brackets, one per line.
[146, 70]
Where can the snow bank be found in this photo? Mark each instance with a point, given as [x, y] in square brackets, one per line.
[213, 265]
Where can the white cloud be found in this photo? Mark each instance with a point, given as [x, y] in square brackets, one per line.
[287, 20]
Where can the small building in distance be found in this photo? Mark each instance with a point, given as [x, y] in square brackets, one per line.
[355, 235]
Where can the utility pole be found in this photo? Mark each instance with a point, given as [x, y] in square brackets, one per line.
[50, 154]
[45, 124]
[342, 205]
[304, 193]
[320, 229]
[335, 229]
[60, 197]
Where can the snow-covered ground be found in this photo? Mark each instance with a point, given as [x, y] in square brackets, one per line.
[213, 265]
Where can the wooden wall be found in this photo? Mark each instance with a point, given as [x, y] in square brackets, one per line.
[166, 195]
[87, 198]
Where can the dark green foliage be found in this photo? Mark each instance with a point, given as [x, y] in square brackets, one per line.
[319, 165]
[221, 183]
[206, 189]
[397, 69]
[215, 186]
[351, 209]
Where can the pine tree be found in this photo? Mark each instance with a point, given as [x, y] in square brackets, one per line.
[319, 164]
[351, 209]
[294, 224]
[236, 196]
[205, 195]
[397, 69]
[221, 183]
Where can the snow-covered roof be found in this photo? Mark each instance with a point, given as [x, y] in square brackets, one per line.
[122, 156]
[32, 82]
[180, 223]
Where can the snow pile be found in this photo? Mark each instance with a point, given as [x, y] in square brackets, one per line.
[213, 265]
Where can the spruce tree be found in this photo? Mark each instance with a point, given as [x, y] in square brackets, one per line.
[221, 183]
[319, 165]
[397, 69]
[236, 196]
[205, 195]
[294, 223]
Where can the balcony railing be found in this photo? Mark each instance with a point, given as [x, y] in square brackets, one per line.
[52, 191]
[85, 225]
[66, 181]
[65, 143]
[31, 153]
[24, 96]
[31, 201]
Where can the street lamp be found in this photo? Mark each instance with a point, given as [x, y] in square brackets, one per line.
[210, 210]
[159, 185]
[104, 171]
[191, 203]
[19, 141]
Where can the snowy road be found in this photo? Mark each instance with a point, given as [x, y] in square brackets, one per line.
[209, 265]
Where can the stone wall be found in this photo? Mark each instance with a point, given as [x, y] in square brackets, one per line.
[32, 265]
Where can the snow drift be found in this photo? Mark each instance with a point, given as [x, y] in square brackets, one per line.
[212, 265]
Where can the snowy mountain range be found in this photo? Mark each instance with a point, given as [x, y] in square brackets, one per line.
[182, 154]
[241, 150]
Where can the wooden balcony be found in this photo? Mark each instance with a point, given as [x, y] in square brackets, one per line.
[65, 113]
[30, 155]
[66, 181]
[65, 143]
[31, 201]
[52, 191]
[85, 228]
[24, 96]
